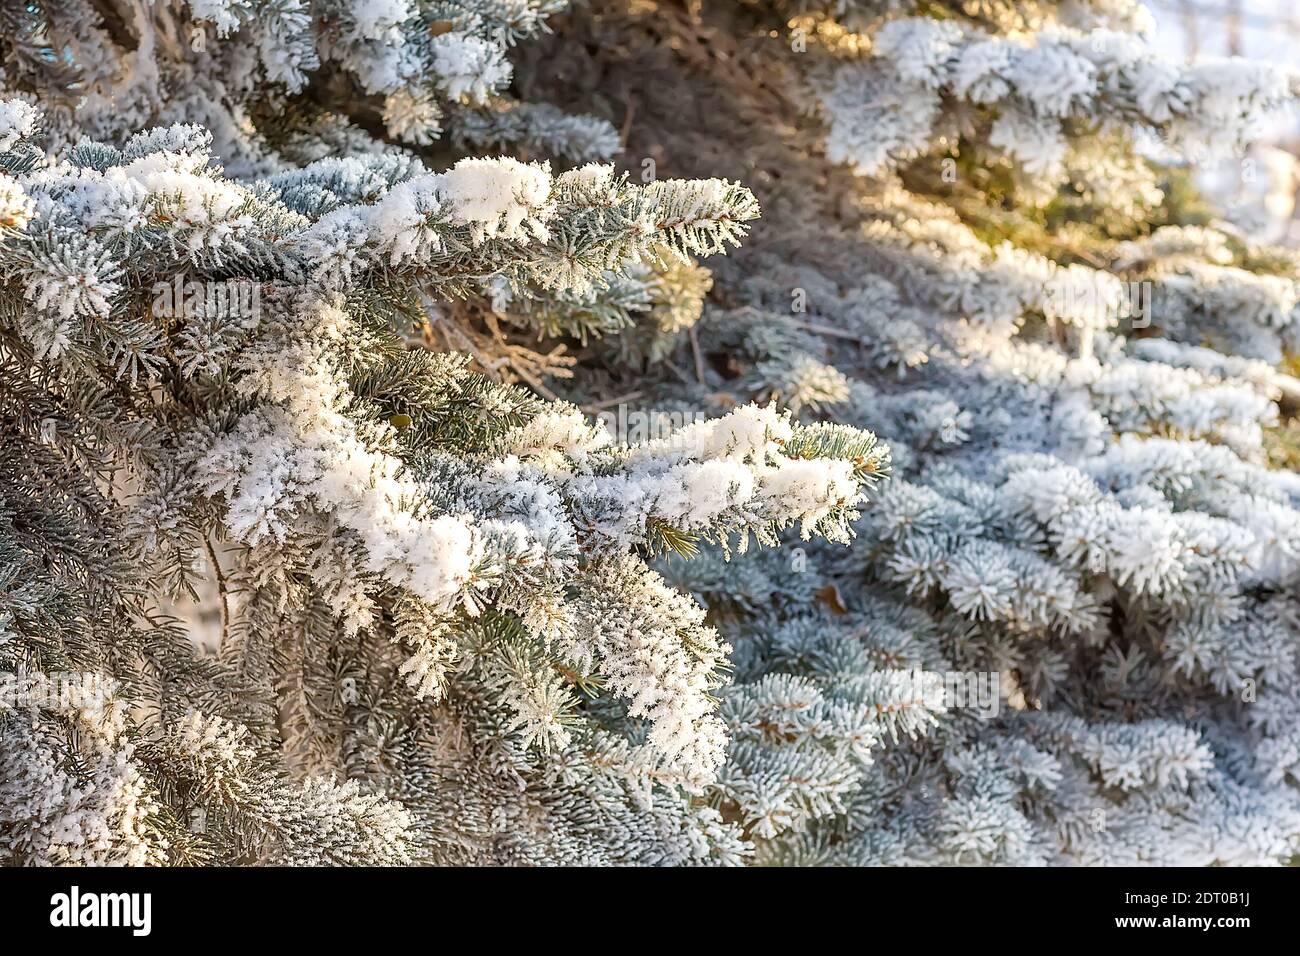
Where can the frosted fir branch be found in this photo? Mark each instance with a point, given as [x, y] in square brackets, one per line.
[306, 454]
[750, 472]
[302, 473]
[535, 128]
[422, 58]
[799, 745]
[102, 813]
[1129, 756]
[383, 218]
[19, 120]
[1031, 86]
[657, 653]
[315, 823]
[577, 226]
[462, 559]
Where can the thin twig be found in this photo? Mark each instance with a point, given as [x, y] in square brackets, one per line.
[593, 407]
[626, 129]
[695, 351]
[221, 588]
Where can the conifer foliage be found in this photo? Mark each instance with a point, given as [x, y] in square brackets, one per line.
[316, 546]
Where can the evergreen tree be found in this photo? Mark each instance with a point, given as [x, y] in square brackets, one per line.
[316, 546]
[1066, 629]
